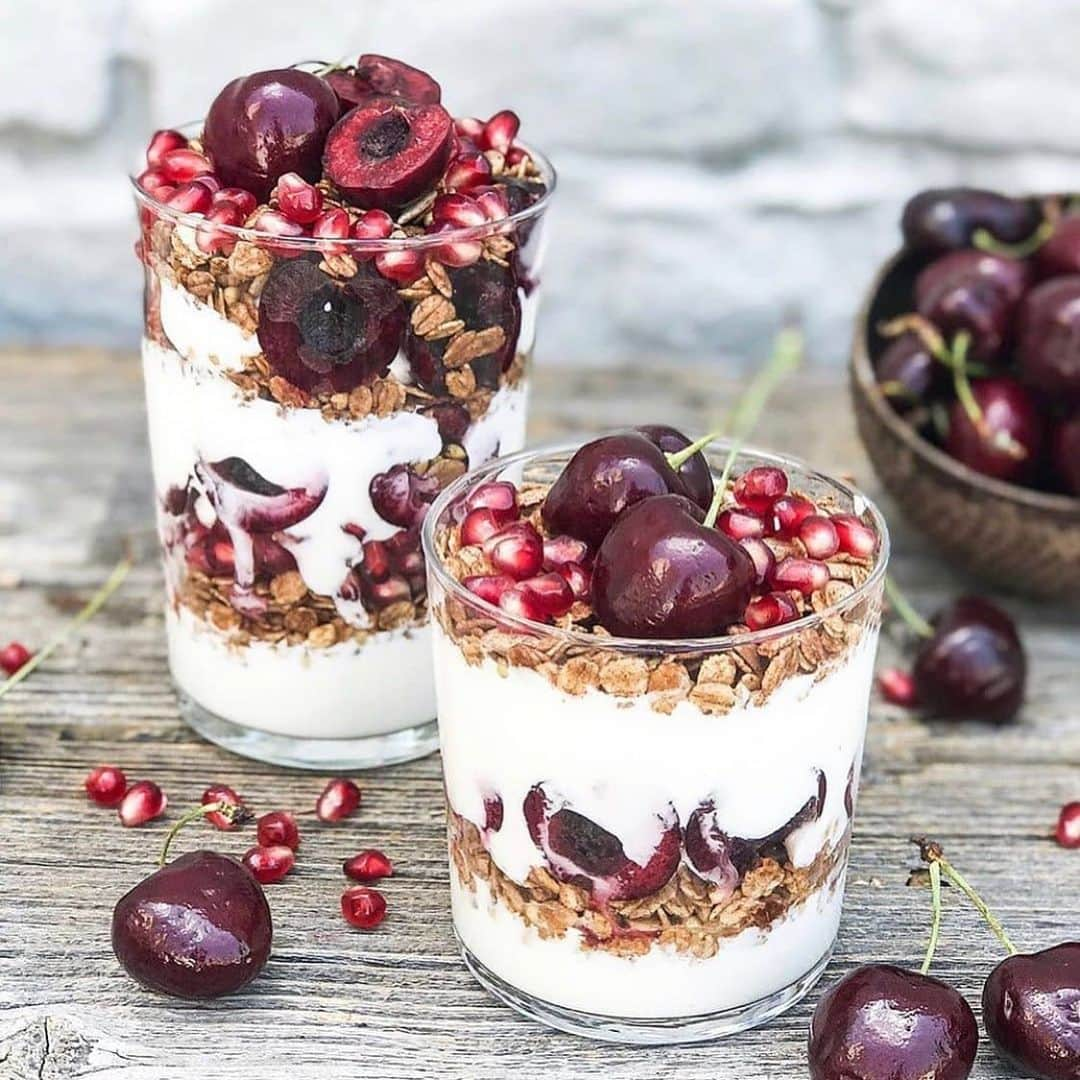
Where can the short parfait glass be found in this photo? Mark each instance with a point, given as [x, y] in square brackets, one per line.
[292, 467]
[648, 839]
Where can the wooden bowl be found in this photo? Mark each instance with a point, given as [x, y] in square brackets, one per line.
[1023, 540]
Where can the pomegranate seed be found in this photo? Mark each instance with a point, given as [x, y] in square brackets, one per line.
[224, 794]
[457, 253]
[522, 604]
[764, 559]
[804, 575]
[560, 550]
[578, 578]
[243, 200]
[332, 225]
[819, 537]
[855, 536]
[191, 198]
[269, 865]
[552, 591]
[364, 908]
[470, 128]
[480, 525]
[142, 802]
[516, 550]
[898, 687]
[13, 656]
[403, 265]
[278, 828]
[498, 496]
[760, 487]
[501, 131]
[516, 155]
[493, 202]
[772, 609]
[106, 785]
[489, 587]
[161, 143]
[270, 221]
[217, 241]
[338, 800]
[155, 183]
[369, 865]
[467, 171]
[457, 210]
[210, 182]
[182, 165]
[790, 511]
[298, 200]
[1067, 833]
[740, 524]
[373, 225]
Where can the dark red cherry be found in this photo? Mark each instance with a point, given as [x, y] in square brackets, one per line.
[661, 573]
[1048, 337]
[1010, 443]
[972, 291]
[941, 219]
[245, 498]
[266, 124]
[381, 76]
[581, 852]
[695, 472]
[907, 372]
[385, 153]
[884, 1023]
[604, 478]
[324, 334]
[198, 928]
[1031, 1010]
[1065, 452]
[1061, 253]
[973, 666]
[402, 496]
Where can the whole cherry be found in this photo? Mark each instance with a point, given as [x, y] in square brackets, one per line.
[1065, 452]
[941, 219]
[1048, 337]
[694, 472]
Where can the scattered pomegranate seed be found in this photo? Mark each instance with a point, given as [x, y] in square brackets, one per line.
[898, 687]
[501, 131]
[278, 828]
[480, 524]
[489, 587]
[560, 550]
[298, 200]
[515, 155]
[1067, 833]
[458, 211]
[243, 200]
[790, 511]
[373, 225]
[498, 496]
[467, 171]
[804, 575]
[332, 225]
[182, 165]
[269, 865]
[772, 609]
[758, 488]
[106, 785]
[13, 656]
[155, 183]
[764, 559]
[819, 536]
[190, 198]
[855, 536]
[577, 577]
[516, 550]
[522, 604]
[552, 591]
[403, 265]
[142, 802]
[339, 799]
[161, 143]
[364, 908]
[457, 253]
[470, 128]
[493, 202]
[225, 794]
[369, 865]
[741, 524]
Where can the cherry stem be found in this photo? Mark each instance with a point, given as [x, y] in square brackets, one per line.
[935, 921]
[229, 810]
[985, 240]
[93, 605]
[904, 608]
[931, 853]
[1000, 440]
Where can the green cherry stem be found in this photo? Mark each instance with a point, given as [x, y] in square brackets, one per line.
[1000, 440]
[231, 811]
[985, 240]
[903, 607]
[935, 920]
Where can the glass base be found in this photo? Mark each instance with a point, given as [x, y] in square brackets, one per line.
[644, 1031]
[323, 755]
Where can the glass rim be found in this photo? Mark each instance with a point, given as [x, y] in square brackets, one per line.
[351, 244]
[718, 643]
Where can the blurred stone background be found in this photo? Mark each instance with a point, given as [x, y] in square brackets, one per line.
[721, 162]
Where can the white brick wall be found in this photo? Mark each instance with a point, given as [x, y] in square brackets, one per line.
[722, 162]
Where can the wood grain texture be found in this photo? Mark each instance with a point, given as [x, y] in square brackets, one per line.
[398, 1003]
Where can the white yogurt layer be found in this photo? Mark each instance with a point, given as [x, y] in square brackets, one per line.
[620, 763]
[200, 334]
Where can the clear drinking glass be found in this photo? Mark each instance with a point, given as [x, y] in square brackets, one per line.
[648, 840]
[305, 409]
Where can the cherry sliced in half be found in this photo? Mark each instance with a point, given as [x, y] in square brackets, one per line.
[245, 499]
[381, 76]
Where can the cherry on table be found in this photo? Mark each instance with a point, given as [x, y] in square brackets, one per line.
[941, 219]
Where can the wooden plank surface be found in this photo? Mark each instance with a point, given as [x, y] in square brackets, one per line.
[74, 482]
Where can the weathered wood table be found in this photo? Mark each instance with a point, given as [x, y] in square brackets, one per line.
[398, 1002]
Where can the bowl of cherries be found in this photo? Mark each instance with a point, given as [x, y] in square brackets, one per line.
[966, 381]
